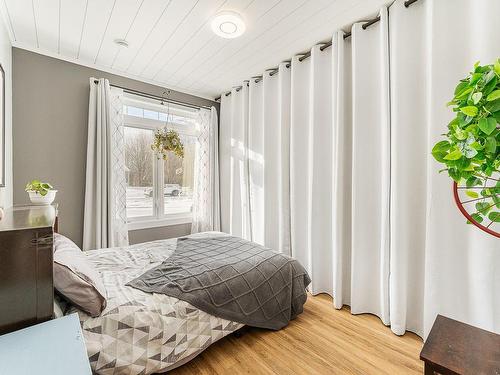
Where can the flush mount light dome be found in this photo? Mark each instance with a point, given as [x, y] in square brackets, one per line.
[228, 24]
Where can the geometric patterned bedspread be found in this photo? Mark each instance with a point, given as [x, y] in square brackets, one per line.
[142, 333]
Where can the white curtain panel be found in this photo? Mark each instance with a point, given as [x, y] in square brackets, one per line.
[105, 218]
[370, 169]
[256, 160]
[235, 197]
[411, 142]
[371, 218]
[225, 162]
[439, 264]
[206, 205]
[256, 127]
[275, 99]
[299, 160]
[341, 168]
[311, 151]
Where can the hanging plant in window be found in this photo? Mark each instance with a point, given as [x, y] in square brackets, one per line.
[167, 140]
[471, 149]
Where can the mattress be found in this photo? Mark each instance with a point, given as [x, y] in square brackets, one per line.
[144, 333]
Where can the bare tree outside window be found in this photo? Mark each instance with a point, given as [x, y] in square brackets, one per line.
[139, 173]
[139, 157]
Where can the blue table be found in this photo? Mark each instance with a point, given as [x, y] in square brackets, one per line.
[55, 347]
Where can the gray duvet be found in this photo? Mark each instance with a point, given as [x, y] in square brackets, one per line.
[231, 278]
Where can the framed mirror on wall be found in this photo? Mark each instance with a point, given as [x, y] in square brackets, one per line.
[2, 127]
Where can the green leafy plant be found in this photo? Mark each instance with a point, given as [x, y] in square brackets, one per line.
[471, 150]
[40, 187]
[166, 141]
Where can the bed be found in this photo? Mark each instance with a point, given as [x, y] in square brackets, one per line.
[143, 333]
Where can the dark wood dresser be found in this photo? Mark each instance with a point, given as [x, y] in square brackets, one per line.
[26, 256]
[456, 348]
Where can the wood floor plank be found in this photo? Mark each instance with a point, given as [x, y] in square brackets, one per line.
[320, 341]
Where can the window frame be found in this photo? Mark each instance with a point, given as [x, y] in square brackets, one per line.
[159, 217]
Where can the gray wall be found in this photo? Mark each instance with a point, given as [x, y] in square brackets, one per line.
[50, 110]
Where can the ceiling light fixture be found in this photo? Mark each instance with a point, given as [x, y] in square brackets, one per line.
[228, 24]
[121, 42]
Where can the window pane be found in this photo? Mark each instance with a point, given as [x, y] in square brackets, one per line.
[181, 120]
[135, 111]
[153, 115]
[163, 117]
[139, 162]
[179, 179]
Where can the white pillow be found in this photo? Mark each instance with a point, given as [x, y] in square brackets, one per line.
[58, 312]
[75, 277]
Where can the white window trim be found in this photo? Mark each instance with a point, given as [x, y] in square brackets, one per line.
[153, 105]
[146, 123]
[160, 219]
[168, 220]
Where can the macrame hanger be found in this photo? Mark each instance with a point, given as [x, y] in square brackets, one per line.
[165, 95]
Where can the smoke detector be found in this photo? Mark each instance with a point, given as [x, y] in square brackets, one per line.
[121, 42]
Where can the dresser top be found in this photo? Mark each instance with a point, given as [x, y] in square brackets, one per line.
[55, 347]
[28, 217]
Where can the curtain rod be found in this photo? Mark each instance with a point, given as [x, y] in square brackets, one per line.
[157, 97]
[324, 45]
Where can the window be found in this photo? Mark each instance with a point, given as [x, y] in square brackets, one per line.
[178, 179]
[159, 192]
[139, 163]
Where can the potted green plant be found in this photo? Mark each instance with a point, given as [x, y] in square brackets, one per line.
[470, 151]
[40, 193]
[167, 140]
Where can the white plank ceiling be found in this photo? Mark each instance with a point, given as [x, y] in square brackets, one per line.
[171, 43]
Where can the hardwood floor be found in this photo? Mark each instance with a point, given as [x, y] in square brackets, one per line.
[320, 341]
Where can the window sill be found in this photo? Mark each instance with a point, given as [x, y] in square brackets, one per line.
[139, 224]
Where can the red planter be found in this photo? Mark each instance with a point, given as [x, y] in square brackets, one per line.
[468, 216]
